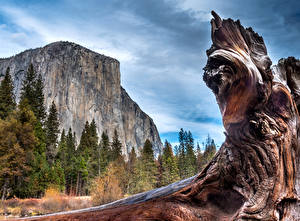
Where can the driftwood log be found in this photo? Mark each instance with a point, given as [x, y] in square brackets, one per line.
[255, 174]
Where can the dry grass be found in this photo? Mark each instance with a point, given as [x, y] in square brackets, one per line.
[52, 202]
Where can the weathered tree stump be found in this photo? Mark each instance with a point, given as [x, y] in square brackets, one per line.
[255, 174]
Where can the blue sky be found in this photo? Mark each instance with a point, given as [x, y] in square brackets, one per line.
[161, 46]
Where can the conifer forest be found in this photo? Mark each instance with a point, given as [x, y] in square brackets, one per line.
[35, 154]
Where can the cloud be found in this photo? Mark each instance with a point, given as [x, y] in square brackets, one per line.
[277, 21]
[161, 46]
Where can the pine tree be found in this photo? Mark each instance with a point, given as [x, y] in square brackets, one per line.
[94, 150]
[104, 153]
[70, 166]
[169, 165]
[93, 136]
[39, 107]
[57, 176]
[82, 175]
[70, 145]
[52, 131]
[7, 97]
[39, 175]
[210, 150]
[39, 167]
[146, 170]
[84, 144]
[32, 91]
[62, 149]
[181, 154]
[27, 90]
[190, 158]
[160, 169]
[32, 97]
[131, 170]
[83, 154]
[88, 149]
[116, 147]
[199, 158]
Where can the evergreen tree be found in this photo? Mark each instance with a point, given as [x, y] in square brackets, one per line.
[187, 161]
[70, 145]
[199, 158]
[84, 143]
[52, 131]
[28, 89]
[116, 147]
[131, 170]
[170, 169]
[159, 164]
[88, 149]
[39, 176]
[57, 176]
[39, 107]
[70, 165]
[94, 147]
[40, 168]
[83, 153]
[93, 136]
[146, 169]
[62, 149]
[82, 175]
[7, 97]
[33, 98]
[32, 91]
[181, 154]
[210, 150]
[176, 151]
[190, 157]
[104, 153]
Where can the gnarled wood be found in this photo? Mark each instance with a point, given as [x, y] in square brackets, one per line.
[255, 174]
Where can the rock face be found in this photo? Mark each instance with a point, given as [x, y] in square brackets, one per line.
[85, 85]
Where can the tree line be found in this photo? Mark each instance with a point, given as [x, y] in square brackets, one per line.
[35, 155]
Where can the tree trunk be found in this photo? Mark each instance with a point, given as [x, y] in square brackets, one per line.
[77, 184]
[254, 175]
[4, 189]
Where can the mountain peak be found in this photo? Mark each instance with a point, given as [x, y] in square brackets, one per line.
[85, 85]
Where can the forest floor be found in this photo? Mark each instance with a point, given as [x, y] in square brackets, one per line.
[15, 208]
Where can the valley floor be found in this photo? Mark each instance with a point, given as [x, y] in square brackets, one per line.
[15, 208]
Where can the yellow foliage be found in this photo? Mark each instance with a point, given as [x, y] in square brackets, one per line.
[54, 201]
[52, 192]
[106, 188]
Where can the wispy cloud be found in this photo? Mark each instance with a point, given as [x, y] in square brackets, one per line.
[161, 46]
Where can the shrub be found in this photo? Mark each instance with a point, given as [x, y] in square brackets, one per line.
[54, 201]
[107, 188]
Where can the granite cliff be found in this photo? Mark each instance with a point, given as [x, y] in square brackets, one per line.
[85, 85]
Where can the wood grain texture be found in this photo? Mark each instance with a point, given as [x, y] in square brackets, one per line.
[255, 174]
